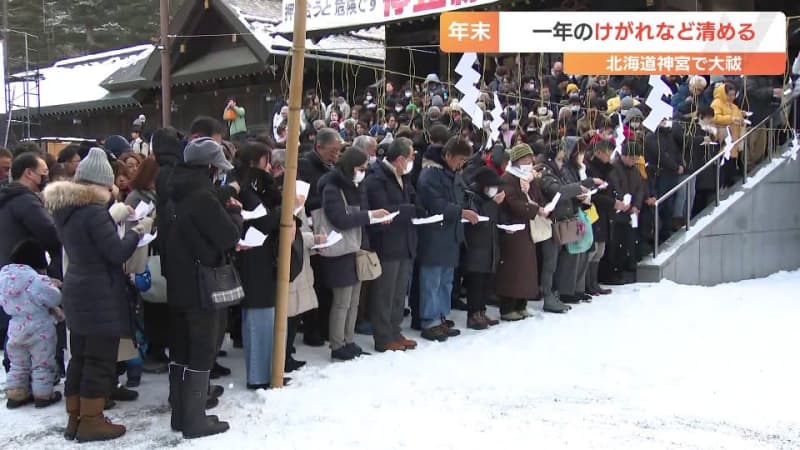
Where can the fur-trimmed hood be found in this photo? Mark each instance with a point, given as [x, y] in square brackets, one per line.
[62, 197]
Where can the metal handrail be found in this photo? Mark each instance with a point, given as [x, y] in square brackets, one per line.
[787, 101]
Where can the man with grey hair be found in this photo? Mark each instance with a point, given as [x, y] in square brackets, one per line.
[310, 168]
[368, 145]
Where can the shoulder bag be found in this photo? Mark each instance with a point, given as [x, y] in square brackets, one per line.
[351, 239]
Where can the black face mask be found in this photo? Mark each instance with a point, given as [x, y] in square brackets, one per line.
[43, 180]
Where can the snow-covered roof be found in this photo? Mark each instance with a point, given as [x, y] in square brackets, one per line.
[262, 18]
[74, 80]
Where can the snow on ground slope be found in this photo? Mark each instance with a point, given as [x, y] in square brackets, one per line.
[650, 367]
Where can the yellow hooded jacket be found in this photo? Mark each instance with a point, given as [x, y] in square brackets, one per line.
[725, 111]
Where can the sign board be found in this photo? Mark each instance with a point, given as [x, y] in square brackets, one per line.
[630, 43]
[328, 14]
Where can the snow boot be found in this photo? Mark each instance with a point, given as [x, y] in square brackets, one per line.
[73, 403]
[409, 343]
[513, 316]
[435, 333]
[448, 326]
[54, 398]
[491, 322]
[17, 398]
[553, 305]
[93, 425]
[193, 395]
[122, 394]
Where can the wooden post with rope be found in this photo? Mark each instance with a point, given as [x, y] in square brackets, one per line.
[289, 192]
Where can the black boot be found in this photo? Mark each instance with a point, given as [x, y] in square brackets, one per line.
[193, 393]
[176, 420]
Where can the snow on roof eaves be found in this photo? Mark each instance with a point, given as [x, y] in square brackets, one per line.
[77, 80]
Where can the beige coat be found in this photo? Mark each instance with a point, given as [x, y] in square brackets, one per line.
[302, 297]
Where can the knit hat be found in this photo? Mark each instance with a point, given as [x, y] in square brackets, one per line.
[117, 145]
[572, 87]
[95, 168]
[634, 113]
[520, 151]
[436, 100]
[204, 151]
[626, 104]
[29, 253]
[485, 176]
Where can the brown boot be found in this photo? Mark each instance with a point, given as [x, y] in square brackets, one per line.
[395, 346]
[409, 343]
[489, 320]
[93, 425]
[475, 321]
[73, 403]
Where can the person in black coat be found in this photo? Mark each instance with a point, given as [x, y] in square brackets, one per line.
[481, 254]
[310, 168]
[97, 294]
[388, 186]
[341, 200]
[23, 217]
[205, 232]
[665, 165]
[605, 203]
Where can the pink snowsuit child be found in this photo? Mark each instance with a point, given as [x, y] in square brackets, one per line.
[29, 297]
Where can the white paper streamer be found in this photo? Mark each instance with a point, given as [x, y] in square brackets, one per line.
[795, 145]
[619, 136]
[466, 85]
[728, 146]
[497, 122]
[659, 109]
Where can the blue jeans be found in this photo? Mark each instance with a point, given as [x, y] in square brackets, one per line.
[436, 285]
[257, 338]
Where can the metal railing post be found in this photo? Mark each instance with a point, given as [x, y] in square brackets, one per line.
[655, 237]
[746, 148]
[716, 186]
[770, 140]
[688, 205]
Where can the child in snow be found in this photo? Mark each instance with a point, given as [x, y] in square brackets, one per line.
[31, 299]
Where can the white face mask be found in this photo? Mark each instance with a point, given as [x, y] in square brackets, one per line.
[409, 167]
[359, 177]
[492, 191]
[542, 111]
[635, 125]
[527, 169]
[369, 98]
[408, 94]
[372, 159]
[574, 108]
[398, 108]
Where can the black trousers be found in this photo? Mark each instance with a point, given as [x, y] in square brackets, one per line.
[315, 322]
[92, 371]
[194, 337]
[156, 326]
[413, 298]
[479, 287]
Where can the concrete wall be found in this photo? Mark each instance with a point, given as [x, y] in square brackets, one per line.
[756, 235]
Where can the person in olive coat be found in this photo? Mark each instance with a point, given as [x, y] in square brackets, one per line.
[96, 293]
[481, 254]
[517, 280]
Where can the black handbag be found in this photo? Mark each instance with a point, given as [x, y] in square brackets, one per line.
[220, 286]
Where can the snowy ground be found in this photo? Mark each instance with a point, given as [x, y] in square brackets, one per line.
[650, 367]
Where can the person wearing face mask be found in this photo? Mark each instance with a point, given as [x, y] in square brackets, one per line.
[341, 199]
[388, 186]
[207, 230]
[556, 179]
[517, 280]
[625, 91]
[705, 136]
[480, 256]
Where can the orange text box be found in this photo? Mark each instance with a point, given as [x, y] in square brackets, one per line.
[675, 63]
[469, 32]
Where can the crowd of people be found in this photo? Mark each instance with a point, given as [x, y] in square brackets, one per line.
[112, 246]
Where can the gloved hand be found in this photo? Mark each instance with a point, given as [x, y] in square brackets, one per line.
[119, 212]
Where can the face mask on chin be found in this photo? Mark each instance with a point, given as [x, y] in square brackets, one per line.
[492, 191]
[359, 177]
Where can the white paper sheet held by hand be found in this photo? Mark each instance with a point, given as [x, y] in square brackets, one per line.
[480, 219]
[143, 209]
[147, 239]
[259, 212]
[626, 200]
[302, 188]
[253, 238]
[512, 228]
[603, 186]
[383, 219]
[427, 220]
[548, 208]
[333, 237]
[634, 221]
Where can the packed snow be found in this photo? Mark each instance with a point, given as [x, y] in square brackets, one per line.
[653, 366]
